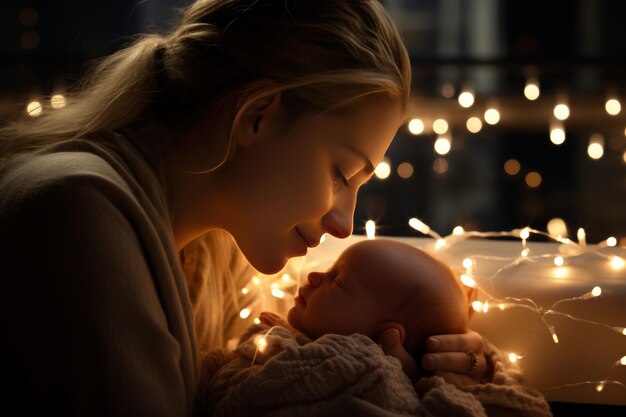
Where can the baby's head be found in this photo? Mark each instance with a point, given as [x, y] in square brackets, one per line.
[379, 284]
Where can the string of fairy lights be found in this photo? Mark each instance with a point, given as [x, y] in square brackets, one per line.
[282, 287]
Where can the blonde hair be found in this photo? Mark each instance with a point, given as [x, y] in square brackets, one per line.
[322, 55]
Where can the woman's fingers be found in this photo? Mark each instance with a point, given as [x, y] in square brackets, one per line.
[456, 379]
[456, 342]
[458, 354]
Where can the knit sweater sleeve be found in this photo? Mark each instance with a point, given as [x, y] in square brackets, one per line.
[83, 327]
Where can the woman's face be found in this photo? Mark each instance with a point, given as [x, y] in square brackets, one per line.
[283, 191]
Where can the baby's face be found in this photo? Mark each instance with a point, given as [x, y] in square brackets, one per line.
[355, 294]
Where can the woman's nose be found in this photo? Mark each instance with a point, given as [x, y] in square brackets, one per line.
[338, 221]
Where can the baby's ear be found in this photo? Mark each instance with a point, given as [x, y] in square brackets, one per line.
[386, 325]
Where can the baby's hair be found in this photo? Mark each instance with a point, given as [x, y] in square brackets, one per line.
[424, 310]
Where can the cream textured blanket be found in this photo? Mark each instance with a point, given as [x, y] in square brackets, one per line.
[346, 375]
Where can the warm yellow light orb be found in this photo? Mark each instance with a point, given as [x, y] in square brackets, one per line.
[613, 107]
[370, 229]
[474, 125]
[477, 306]
[419, 225]
[278, 293]
[492, 116]
[611, 241]
[595, 150]
[617, 262]
[557, 227]
[531, 90]
[466, 99]
[467, 263]
[442, 145]
[558, 261]
[557, 135]
[525, 233]
[513, 357]
[34, 108]
[561, 111]
[416, 126]
[596, 291]
[383, 169]
[440, 126]
[458, 230]
[245, 313]
[57, 101]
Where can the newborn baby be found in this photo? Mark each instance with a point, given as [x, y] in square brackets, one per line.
[323, 360]
[379, 284]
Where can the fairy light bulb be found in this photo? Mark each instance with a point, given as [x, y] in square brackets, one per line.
[622, 361]
[561, 111]
[57, 101]
[467, 263]
[580, 234]
[477, 306]
[525, 233]
[611, 241]
[600, 387]
[466, 99]
[557, 134]
[474, 124]
[244, 290]
[278, 293]
[323, 238]
[485, 307]
[525, 252]
[531, 90]
[260, 342]
[555, 338]
[617, 263]
[442, 145]
[419, 226]
[458, 230]
[256, 280]
[416, 126]
[440, 126]
[613, 107]
[34, 108]
[596, 291]
[286, 278]
[513, 357]
[492, 116]
[468, 282]
[370, 229]
[558, 261]
[383, 169]
[244, 313]
[595, 148]
[257, 321]
[440, 243]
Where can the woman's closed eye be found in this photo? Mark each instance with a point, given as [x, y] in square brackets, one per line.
[339, 177]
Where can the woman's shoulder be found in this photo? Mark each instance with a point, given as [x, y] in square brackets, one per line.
[40, 176]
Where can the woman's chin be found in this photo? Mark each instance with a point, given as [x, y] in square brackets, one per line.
[268, 265]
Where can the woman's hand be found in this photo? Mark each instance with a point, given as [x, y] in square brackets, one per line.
[449, 357]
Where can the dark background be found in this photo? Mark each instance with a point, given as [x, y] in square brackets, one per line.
[576, 49]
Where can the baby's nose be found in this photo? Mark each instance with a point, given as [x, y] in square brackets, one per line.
[314, 279]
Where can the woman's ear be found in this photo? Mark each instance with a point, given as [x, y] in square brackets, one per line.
[260, 120]
[386, 325]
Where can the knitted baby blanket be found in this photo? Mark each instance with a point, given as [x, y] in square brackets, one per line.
[341, 375]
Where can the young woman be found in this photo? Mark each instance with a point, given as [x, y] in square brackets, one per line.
[252, 120]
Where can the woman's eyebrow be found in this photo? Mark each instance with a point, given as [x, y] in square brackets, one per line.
[369, 166]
